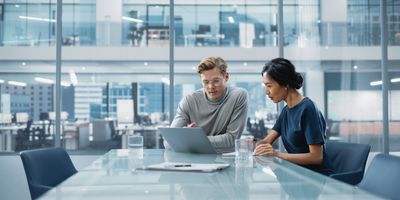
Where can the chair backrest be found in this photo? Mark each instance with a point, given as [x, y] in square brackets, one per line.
[46, 168]
[382, 176]
[348, 157]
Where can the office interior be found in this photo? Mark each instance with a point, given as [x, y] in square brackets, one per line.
[116, 62]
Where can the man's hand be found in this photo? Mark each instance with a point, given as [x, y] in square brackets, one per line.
[191, 125]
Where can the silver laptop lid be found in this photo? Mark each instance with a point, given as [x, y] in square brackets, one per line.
[187, 140]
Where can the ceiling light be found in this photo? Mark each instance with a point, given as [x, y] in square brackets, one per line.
[395, 80]
[375, 83]
[37, 19]
[1, 81]
[16, 83]
[132, 19]
[44, 80]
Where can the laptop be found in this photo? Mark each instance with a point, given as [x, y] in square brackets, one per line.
[187, 140]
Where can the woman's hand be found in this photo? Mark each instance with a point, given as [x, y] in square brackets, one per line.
[265, 149]
[263, 141]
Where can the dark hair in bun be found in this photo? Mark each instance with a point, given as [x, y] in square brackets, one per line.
[283, 72]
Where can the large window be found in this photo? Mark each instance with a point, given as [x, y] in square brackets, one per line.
[33, 23]
[118, 54]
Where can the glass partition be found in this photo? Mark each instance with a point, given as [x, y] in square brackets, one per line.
[33, 23]
[113, 52]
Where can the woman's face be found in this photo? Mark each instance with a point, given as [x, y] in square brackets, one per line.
[273, 90]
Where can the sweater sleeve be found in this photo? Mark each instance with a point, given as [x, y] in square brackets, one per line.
[226, 142]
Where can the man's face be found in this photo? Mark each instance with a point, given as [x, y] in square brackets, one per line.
[214, 83]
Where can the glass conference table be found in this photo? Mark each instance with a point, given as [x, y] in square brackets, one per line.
[119, 174]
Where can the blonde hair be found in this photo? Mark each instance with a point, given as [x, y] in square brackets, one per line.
[211, 63]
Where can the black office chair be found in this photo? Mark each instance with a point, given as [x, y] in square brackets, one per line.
[348, 160]
[46, 168]
[382, 176]
[22, 138]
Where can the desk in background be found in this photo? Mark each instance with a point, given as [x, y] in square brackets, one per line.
[116, 176]
[149, 133]
[7, 132]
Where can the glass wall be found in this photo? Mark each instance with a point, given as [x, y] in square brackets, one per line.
[393, 8]
[236, 25]
[198, 24]
[117, 55]
[32, 23]
[354, 84]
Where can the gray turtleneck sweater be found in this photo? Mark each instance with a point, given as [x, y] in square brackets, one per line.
[223, 121]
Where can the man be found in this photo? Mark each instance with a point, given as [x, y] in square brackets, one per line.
[220, 110]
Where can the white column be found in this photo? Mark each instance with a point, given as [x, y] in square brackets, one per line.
[334, 18]
[334, 11]
[109, 22]
[315, 86]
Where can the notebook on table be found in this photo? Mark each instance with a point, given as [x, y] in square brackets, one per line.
[187, 140]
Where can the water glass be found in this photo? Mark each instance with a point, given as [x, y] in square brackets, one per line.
[244, 150]
[135, 146]
[135, 142]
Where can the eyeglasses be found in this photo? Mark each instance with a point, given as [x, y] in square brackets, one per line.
[215, 82]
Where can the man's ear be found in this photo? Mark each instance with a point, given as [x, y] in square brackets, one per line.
[226, 76]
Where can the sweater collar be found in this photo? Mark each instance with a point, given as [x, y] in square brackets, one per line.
[219, 100]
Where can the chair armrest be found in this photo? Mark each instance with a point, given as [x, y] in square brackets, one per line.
[351, 177]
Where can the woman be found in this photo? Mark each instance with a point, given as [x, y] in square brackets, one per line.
[300, 124]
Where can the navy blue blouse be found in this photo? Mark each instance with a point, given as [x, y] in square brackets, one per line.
[301, 126]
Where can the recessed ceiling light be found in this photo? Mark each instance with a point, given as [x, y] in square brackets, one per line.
[44, 80]
[16, 83]
[395, 80]
[375, 83]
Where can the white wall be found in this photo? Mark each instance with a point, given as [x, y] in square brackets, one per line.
[334, 11]
[109, 22]
[315, 87]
